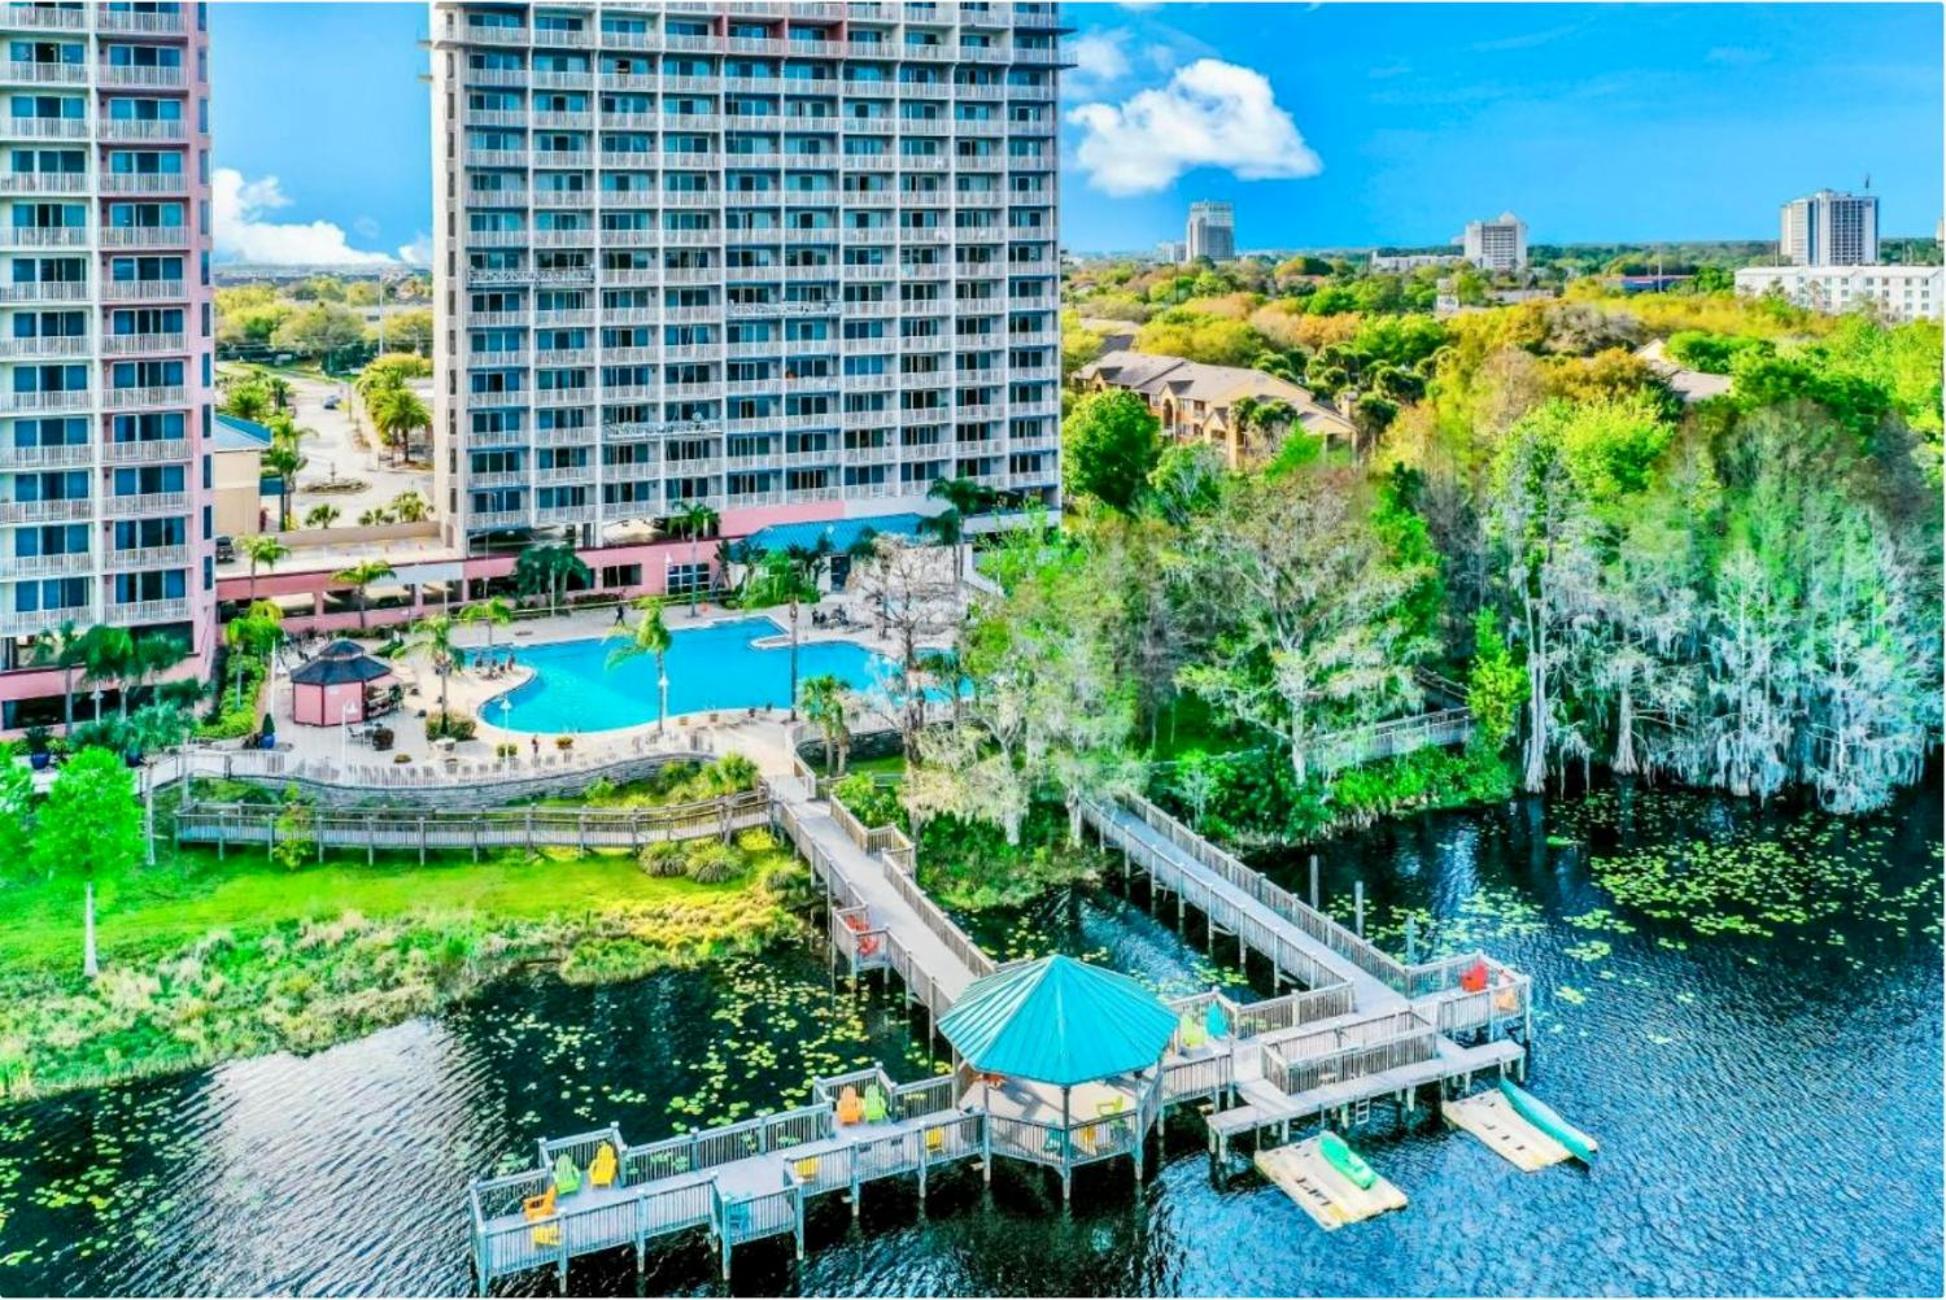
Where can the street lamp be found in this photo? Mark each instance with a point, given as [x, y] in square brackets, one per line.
[793, 659]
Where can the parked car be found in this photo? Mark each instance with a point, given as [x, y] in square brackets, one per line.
[331, 402]
[225, 549]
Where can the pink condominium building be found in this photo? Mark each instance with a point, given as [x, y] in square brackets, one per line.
[105, 331]
[790, 261]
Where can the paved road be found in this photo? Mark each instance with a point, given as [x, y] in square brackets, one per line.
[334, 452]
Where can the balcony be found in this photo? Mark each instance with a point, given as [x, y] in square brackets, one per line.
[44, 182]
[122, 399]
[141, 24]
[63, 456]
[495, 158]
[564, 158]
[71, 510]
[44, 403]
[156, 451]
[144, 183]
[498, 519]
[138, 612]
[143, 504]
[44, 128]
[32, 73]
[75, 564]
[145, 237]
[145, 291]
[43, 291]
[146, 78]
[14, 17]
[133, 345]
[146, 557]
[145, 130]
[60, 345]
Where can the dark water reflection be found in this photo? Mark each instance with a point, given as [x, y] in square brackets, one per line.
[1769, 1107]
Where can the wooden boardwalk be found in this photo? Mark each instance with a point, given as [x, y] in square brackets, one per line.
[1357, 1026]
[1403, 1027]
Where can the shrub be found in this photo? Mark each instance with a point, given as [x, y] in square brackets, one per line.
[667, 858]
[450, 726]
[872, 804]
[711, 862]
[757, 840]
[231, 718]
[600, 790]
[401, 758]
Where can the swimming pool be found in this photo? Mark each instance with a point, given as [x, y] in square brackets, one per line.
[715, 667]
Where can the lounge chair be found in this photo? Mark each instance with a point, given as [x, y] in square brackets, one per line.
[1191, 1034]
[876, 1105]
[850, 1108]
[602, 1169]
[567, 1178]
[538, 1207]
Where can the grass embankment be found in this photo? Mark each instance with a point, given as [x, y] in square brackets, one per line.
[206, 960]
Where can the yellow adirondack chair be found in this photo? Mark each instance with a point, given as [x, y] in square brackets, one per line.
[601, 1170]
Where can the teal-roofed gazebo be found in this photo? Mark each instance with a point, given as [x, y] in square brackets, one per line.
[1065, 1058]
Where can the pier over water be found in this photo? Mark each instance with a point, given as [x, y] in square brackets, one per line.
[1355, 1029]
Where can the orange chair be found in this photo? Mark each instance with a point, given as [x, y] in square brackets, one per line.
[851, 1107]
[601, 1170]
[538, 1207]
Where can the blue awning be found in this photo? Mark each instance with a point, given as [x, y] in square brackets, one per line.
[839, 534]
[1058, 1021]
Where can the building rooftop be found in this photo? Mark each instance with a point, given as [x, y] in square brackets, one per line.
[1158, 376]
[234, 434]
[840, 534]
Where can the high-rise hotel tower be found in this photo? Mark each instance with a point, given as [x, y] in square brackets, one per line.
[105, 331]
[792, 262]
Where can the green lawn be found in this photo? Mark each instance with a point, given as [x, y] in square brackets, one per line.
[188, 893]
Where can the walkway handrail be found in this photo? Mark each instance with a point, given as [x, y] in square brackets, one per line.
[466, 773]
[1340, 940]
[897, 856]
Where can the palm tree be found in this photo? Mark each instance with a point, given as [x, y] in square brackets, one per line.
[547, 569]
[396, 411]
[969, 496]
[649, 636]
[279, 390]
[283, 459]
[950, 528]
[155, 655]
[361, 576]
[694, 518]
[410, 508]
[264, 550]
[106, 655]
[63, 646]
[823, 701]
[257, 634]
[435, 635]
[494, 611]
[246, 402]
[321, 516]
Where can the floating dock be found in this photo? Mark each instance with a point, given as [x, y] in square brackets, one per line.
[1491, 1118]
[1329, 1197]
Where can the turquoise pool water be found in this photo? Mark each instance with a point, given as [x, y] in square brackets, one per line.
[717, 667]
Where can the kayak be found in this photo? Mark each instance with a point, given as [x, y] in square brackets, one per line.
[1346, 1161]
[1542, 1116]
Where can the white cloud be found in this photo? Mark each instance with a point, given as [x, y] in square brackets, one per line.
[1099, 55]
[238, 208]
[1210, 114]
[418, 252]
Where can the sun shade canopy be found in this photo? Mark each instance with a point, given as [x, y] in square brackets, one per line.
[1058, 1021]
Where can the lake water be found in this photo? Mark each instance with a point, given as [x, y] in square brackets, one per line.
[574, 689]
[1768, 1104]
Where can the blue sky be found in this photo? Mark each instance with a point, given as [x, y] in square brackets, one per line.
[1325, 124]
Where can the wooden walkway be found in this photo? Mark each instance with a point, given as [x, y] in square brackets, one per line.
[1357, 1027]
[1402, 1029]
[412, 829]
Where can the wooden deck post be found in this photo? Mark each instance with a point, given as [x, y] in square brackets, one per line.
[1358, 908]
[422, 839]
[1314, 882]
[371, 839]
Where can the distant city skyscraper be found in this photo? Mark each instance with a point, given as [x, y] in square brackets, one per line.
[1212, 232]
[1497, 245]
[1830, 229]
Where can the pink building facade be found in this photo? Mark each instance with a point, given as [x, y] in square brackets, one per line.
[106, 334]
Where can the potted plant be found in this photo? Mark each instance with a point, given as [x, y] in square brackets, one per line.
[269, 740]
[381, 738]
[39, 755]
